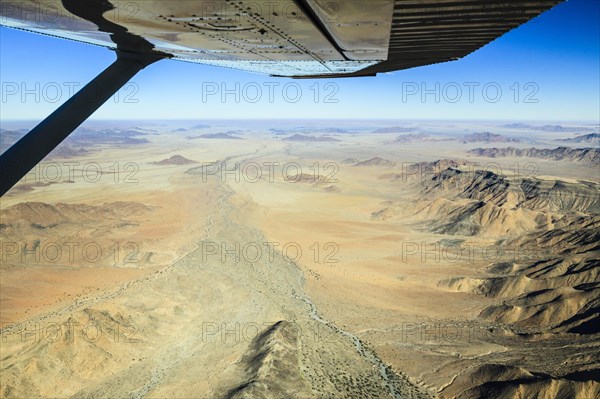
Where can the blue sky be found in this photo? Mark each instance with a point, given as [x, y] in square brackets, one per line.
[548, 69]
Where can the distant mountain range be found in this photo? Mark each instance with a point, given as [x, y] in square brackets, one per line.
[82, 141]
[412, 137]
[9, 137]
[395, 129]
[305, 138]
[592, 138]
[85, 136]
[376, 161]
[483, 137]
[175, 160]
[547, 128]
[304, 129]
[226, 136]
[185, 129]
[557, 154]
[487, 137]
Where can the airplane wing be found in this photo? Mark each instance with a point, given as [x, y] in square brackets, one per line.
[295, 38]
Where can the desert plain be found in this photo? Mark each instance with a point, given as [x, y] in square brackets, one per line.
[304, 259]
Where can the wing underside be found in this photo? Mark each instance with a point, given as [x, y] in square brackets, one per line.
[297, 38]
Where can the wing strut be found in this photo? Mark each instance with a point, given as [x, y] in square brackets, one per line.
[25, 154]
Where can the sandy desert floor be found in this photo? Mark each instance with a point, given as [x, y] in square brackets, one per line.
[354, 266]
